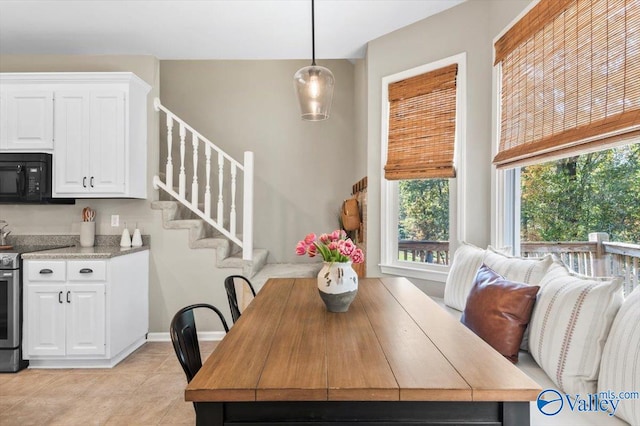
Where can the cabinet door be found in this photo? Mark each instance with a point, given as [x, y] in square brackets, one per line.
[86, 320]
[3, 120]
[71, 155]
[45, 322]
[29, 121]
[108, 143]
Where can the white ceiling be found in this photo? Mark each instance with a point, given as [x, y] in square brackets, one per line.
[205, 29]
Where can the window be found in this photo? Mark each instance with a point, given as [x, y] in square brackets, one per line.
[422, 136]
[569, 109]
[566, 200]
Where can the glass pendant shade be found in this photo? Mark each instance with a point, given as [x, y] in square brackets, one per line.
[314, 88]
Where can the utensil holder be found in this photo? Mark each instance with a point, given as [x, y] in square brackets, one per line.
[87, 234]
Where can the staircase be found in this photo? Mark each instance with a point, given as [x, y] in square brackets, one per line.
[225, 179]
[185, 210]
[202, 235]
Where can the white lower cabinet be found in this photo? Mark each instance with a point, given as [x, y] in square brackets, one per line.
[66, 320]
[85, 313]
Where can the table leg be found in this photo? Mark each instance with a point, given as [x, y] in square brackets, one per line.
[515, 414]
[209, 413]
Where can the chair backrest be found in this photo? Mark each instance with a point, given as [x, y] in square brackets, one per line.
[229, 285]
[185, 338]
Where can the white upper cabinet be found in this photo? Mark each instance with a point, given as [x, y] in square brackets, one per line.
[27, 120]
[98, 129]
[91, 153]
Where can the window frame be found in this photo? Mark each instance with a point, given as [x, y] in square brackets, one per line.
[389, 197]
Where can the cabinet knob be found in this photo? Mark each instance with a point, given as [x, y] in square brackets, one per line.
[86, 271]
[46, 271]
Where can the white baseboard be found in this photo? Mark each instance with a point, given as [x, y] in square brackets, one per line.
[214, 336]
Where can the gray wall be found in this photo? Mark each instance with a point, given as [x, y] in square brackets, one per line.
[303, 170]
[469, 27]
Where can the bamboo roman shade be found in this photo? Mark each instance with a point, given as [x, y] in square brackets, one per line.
[422, 124]
[570, 80]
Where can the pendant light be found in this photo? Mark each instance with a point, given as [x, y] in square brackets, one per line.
[314, 85]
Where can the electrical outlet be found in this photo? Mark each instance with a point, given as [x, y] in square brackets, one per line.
[115, 220]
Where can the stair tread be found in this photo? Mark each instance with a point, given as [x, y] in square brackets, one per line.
[184, 223]
[210, 242]
[159, 205]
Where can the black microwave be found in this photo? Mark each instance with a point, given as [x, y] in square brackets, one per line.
[26, 177]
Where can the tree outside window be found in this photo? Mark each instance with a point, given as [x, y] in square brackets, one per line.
[565, 200]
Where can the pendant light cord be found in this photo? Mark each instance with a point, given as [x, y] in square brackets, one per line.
[313, 35]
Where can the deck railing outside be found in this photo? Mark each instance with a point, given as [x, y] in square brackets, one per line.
[596, 257]
[424, 251]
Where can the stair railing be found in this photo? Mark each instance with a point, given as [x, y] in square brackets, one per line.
[244, 240]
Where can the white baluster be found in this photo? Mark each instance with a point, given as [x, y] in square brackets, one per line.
[169, 166]
[232, 222]
[182, 177]
[220, 186]
[247, 207]
[207, 189]
[194, 184]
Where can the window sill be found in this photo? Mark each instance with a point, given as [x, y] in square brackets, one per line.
[437, 275]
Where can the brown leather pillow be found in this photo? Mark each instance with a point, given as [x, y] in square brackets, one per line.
[499, 310]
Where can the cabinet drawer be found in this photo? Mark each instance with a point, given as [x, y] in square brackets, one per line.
[46, 270]
[87, 270]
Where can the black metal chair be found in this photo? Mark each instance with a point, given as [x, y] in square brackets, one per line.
[185, 339]
[229, 285]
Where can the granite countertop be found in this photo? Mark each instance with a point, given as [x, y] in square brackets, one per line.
[106, 246]
[77, 252]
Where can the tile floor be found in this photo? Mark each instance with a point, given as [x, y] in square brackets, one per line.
[144, 389]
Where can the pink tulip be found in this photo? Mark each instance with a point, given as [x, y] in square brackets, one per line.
[310, 238]
[333, 245]
[346, 247]
[325, 238]
[312, 250]
[301, 248]
[357, 256]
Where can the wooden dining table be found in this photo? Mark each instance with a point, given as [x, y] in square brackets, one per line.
[395, 357]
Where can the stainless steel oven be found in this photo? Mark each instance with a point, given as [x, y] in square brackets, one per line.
[10, 314]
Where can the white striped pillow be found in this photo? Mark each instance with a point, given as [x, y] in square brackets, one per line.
[620, 366]
[528, 271]
[570, 323]
[466, 261]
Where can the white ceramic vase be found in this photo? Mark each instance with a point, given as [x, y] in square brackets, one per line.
[337, 285]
